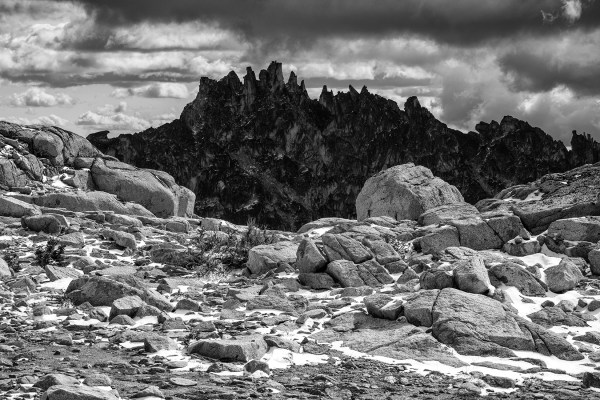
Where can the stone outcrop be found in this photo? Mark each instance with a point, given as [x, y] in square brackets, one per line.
[65, 162]
[404, 192]
[475, 231]
[553, 197]
[152, 189]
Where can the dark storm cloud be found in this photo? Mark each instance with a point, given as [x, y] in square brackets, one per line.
[540, 72]
[62, 80]
[459, 22]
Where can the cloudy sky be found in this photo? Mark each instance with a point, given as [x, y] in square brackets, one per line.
[89, 65]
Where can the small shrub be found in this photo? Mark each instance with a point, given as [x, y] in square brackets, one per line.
[211, 253]
[405, 249]
[51, 253]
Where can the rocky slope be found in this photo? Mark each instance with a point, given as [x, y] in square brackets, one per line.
[81, 178]
[458, 303]
[262, 148]
[569, 194]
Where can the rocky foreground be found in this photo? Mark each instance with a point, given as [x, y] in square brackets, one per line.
[111, 288]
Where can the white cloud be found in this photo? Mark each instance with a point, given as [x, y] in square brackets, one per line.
[110, 109]
[155, 90]
[572, 10]
[163, 119]
[49, 120]
[37, 97]
[112, 117]
[117, 122]
[186, 35]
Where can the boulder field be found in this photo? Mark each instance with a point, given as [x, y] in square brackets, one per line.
[106, 293]
[80, 178]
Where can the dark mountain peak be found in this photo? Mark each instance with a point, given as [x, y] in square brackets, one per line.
[353, 93]
[584, 148]
[233, 81]
[327, 99]
[412, 103]
[293, 80]
[303, 86]
[264, 149]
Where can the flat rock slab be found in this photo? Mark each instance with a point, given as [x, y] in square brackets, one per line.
[73, 392]
[391, 339]
[182, 382]
[477, 325]
[243, 349]
[577, 229]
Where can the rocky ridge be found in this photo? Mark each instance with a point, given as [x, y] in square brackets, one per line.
[455, 303]
[261, 148]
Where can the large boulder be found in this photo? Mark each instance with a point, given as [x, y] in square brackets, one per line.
[439, 239]
[477, 325]
[418, 307]
[61, 147]
[78, 392]
[309, 258]
[563, 277]
[11, 207]
[103, 291]
[382, 337]
[11, 175]
[241, 349]
[88, 201]
[48, 145]
[384, 253]
[42, 223]
[81, 179]
[383, 306]
[349, 274]
[474, 231]
[123, 239]
[470, 275]
[266, 257]
[152, 189]
[342, 247]
[404, 192]
[549, 343]
[577, 229]
[511, 274]
[345, 272]
[556, 316]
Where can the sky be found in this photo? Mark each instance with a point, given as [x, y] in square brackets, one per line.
[124, 66]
